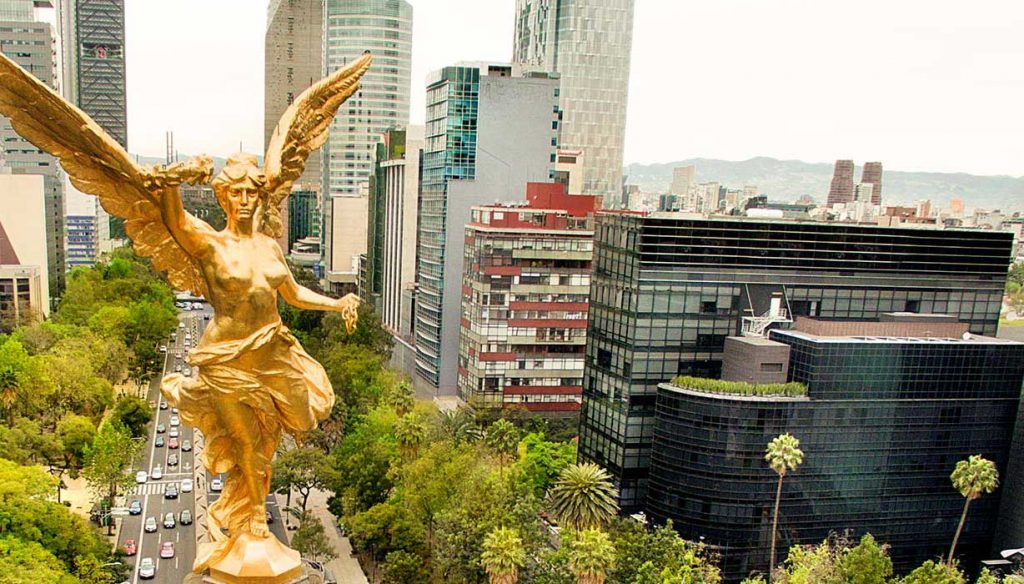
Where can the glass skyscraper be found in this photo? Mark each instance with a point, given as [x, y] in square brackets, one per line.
[666, 292]
[383, 27]
[588, 43]
[883, 424]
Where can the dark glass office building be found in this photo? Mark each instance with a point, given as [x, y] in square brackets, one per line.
[884, 423]
[666, 292]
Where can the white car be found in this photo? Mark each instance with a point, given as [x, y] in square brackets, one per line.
[163, 348]
[186, 485]
[141, 477]
[147, 569]
[150, 524]
[175, 421]
[181, 325]
[157, 474]
[173, 433]
[216, 485]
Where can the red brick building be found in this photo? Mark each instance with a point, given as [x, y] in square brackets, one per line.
[526, 289]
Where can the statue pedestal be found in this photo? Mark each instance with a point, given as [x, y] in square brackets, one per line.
[256, 560]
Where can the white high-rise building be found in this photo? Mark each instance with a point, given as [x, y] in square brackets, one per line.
[588, 43]
[383, 27]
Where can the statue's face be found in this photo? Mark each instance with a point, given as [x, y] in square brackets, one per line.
[240, 200]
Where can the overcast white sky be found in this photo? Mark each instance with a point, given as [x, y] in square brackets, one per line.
[919, 84]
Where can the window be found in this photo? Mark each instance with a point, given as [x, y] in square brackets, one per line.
[708, 307]
[771, 367]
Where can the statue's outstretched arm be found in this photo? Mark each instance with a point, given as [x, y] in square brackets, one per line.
[301, 297]
[164, 183]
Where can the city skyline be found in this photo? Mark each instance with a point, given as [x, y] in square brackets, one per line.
[948, 79]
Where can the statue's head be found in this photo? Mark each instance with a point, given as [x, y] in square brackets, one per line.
[239, 186]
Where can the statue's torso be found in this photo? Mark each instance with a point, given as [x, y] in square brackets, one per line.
[242, 275]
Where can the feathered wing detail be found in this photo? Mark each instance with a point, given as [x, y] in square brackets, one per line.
[302, 129]
[97, 165]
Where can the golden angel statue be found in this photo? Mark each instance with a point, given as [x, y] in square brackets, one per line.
[254, 379]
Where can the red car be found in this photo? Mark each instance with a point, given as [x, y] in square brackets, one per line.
[129, 547]
[167, 550]
[172, 443]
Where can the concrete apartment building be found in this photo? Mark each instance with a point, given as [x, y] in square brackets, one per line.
[490, 129]
[526, 287]
[24, 257]
[293, 60]
[589, 44]
[31, 45]
[391, 243]
[351, 27]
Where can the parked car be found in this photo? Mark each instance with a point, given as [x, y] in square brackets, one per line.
[157, 474]
[171, 491]
[147, 569]
[172, 460]
[150, 526]
[167, 550]
[172, 443]
[169, 522]
[185, 517]
[141, 476]
[216, 485]
[159, 441]
[186, 485]
[186, 445]
[135, 507]
[130, 547]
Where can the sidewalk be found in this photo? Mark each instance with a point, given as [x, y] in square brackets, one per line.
[345, 567]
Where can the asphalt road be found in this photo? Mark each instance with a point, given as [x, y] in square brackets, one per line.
[151, 494]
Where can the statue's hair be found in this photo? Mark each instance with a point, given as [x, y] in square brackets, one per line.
[241, 167]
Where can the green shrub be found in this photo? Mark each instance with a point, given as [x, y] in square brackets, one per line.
[792, 389]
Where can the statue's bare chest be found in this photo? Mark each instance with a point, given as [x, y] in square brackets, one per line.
[245, 267]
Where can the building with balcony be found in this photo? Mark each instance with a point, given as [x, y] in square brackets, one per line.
[668, 291]
[525, 288]
[882, 420]
[490, 129]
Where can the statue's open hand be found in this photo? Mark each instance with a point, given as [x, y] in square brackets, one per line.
[348, 306]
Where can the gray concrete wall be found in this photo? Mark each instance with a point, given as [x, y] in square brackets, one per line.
[513, 147]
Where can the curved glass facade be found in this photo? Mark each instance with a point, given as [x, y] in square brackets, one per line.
[883, 426]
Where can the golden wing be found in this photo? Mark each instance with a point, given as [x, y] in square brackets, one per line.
[301, 130]
[96, 165]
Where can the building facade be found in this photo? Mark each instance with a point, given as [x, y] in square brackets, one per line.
[351, 27]
[303, 216]
[293, 60]
[490, 129]
[24, 255]
[589, 44]
[872, 174]
[668, 291]
[30, 44]
[391, 244]
[841, 188]
[526, 284]
[92, 35]
[882, 425]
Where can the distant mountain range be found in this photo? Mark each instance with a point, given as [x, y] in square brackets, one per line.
[787, 180]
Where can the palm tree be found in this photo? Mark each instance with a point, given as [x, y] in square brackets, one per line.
[503, 555]
[9, 388]
[410, 433]
[783, 454]
[583, 497]
[972, 477]
[503, 438]
[591, 555]
[459, 426]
